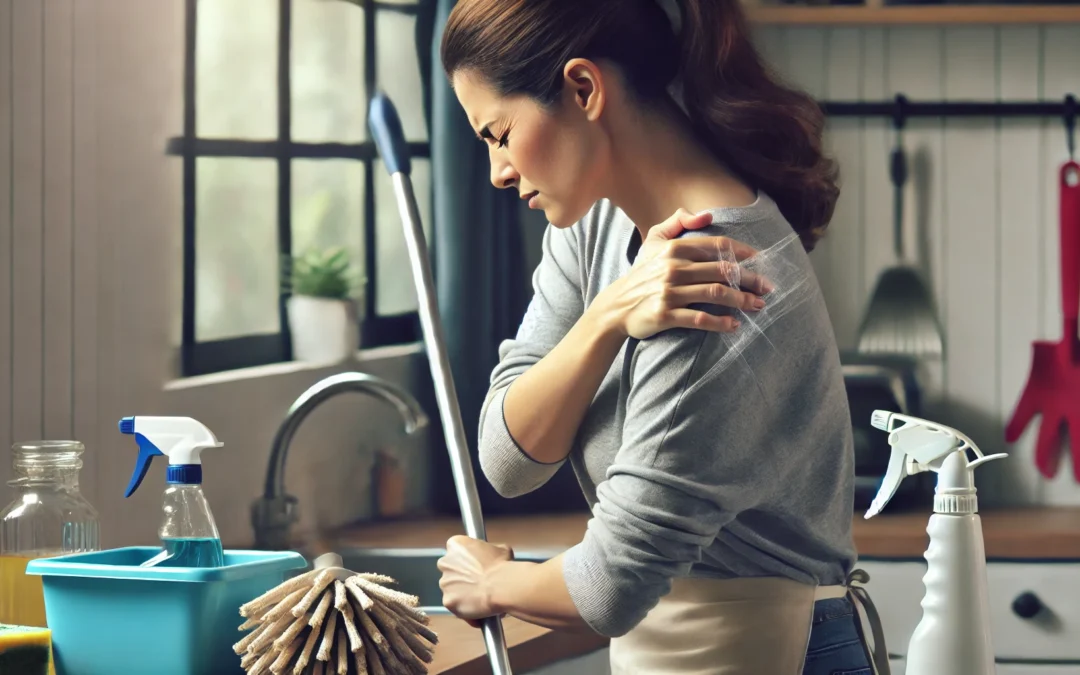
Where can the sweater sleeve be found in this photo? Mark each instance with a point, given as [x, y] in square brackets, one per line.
[699, 447]
[556, 305]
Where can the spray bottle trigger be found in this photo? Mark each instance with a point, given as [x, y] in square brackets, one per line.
[147, 452]
[895, 473]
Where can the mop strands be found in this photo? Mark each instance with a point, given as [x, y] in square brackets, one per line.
[334, 621]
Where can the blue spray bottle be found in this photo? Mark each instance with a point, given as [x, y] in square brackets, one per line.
[189, 535]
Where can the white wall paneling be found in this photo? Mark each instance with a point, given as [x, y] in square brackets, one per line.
[6, 240]
[839, 257]
[27, 144]
[85, 279]
[57, 217]
[1019, 183]
[969, 237]
[981, 207]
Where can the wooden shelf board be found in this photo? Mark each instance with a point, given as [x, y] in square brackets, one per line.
[953, 14]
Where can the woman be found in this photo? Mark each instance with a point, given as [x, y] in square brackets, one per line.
[688, 371]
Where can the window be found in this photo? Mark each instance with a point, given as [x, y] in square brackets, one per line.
[277, 158]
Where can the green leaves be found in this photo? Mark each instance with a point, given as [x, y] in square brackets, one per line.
[321, 274]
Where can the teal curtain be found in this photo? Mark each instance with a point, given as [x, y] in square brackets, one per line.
[478, 256]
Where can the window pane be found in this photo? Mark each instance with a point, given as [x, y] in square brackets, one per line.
[236, 69]
[328, 207]
[395, 292]
[398, 70]
[328, 72]
[236, 250]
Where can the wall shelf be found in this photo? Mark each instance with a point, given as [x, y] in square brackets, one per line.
[913, 14]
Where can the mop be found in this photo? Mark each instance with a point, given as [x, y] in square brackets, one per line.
[333, 621]
[390, 140]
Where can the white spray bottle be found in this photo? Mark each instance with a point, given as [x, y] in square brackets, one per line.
[953, 637]
[189, 535]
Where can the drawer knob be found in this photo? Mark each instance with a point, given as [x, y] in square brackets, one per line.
[1027, 605]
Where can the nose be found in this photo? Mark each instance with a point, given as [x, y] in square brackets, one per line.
[503, 174]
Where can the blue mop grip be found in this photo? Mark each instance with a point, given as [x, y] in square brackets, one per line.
[389, 138]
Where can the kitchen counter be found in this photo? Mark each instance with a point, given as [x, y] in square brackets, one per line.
[1036, 533]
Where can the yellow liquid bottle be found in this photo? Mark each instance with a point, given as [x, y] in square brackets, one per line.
[22, 600]
[47, 517]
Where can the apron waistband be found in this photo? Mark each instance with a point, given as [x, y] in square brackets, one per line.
[860, 599]
[830, 592]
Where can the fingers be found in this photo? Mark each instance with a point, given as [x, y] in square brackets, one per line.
[680, 221]
[1026, 409]
[713, 294]
[1047, 447]
[707, 249]
[697, 319]
[719, 272]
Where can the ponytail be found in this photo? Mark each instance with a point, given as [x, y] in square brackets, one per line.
[769, 134]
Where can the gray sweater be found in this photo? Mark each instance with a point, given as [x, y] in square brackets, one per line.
[702, 454]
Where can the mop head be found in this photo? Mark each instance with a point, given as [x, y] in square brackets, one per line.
[331, 620]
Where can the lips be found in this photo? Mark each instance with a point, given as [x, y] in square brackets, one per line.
[531, 198]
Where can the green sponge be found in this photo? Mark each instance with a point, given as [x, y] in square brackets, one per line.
[25, 650]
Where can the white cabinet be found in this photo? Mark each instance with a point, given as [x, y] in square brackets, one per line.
[1034, 612]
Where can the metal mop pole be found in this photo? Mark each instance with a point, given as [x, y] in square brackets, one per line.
[390, 140]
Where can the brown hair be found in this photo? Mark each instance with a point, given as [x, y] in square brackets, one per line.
[765, 131]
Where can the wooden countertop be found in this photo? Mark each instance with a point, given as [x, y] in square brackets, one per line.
[461, 647]
[1023, 534]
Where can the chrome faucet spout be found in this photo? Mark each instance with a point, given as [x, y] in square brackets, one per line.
[275, 512]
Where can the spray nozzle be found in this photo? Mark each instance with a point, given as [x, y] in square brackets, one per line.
[921, 445]
[181, 439]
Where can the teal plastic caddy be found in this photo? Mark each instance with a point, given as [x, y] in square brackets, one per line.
[108, 616]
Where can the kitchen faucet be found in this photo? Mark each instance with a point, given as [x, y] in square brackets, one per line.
[275, 512]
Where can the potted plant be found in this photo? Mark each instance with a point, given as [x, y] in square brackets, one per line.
[322, 305]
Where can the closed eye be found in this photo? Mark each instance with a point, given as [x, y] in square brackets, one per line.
[486, 135]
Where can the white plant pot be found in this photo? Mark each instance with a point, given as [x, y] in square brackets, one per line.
[323, 330]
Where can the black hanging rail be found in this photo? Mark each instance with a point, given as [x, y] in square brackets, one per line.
[901, 108]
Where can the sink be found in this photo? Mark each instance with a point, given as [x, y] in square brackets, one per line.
[414, 569]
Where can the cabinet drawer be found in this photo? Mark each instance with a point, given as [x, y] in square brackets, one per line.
[896, 589]
[1051, 633]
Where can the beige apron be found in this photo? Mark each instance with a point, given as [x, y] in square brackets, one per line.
[757, 626]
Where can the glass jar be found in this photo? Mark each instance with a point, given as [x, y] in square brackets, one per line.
[48, 517]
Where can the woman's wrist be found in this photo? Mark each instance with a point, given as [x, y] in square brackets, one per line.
[606, 319]
[533, 592]
[501, 584]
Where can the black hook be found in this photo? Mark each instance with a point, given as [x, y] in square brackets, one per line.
[1070, 125]
[900, 112]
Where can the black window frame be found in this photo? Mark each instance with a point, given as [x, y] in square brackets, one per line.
[199, 358]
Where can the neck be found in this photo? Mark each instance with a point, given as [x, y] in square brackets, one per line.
[658, 167]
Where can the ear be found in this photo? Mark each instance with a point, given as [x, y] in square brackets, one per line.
[585, 83]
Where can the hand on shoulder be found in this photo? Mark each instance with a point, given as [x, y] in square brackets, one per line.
[671, 273]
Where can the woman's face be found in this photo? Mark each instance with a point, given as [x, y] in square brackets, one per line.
[550, 156]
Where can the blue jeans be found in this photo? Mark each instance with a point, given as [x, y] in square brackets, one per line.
[835, 645]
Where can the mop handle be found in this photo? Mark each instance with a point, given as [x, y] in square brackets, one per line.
[390, 141]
